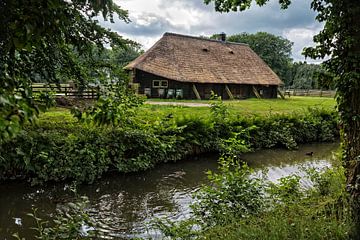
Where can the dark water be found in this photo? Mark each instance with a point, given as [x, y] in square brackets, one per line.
[124, 204]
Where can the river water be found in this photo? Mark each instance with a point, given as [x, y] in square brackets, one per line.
[124, 204]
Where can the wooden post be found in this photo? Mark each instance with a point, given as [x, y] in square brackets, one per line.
[231, 96]
[281, 95]
[196, 92]
[256, 92]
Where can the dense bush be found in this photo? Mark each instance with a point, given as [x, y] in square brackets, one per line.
[56, 150]
[232, 194]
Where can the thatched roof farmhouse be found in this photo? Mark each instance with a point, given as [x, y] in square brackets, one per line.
[191, 67]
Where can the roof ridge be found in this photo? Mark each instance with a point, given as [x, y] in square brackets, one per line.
[181, 58]
[203, 38]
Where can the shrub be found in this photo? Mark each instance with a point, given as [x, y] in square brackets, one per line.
[232, 194]
[58, 149]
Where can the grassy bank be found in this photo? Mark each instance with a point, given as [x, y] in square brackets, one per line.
[237, 206]
[60, 148]
[234, 205]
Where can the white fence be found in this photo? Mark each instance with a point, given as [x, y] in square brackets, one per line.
[308, 92]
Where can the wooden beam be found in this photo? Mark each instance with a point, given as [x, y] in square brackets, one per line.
[231, 96]
[196, 92]
[280, 93]
[257, 94]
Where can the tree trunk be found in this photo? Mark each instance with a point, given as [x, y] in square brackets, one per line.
[346, 65]
[351, 141]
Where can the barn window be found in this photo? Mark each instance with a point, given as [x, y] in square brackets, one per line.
[160, 83]
[156, 83]
[164, 83]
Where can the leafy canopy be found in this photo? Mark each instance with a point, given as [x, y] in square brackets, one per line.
[241, 5]
[47, 39]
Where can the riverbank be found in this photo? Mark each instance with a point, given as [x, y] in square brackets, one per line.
[124, 205]
[59, 148]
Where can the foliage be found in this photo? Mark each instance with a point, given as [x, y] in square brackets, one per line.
[102, 65]
[71, 222]
[288, 189]
[338, 40]
[233, 194]
[237, 144]
[241, 5]
[274, 50]
[59, 148]
[218, 109]
[114, 107]
[220, 115]
[330, 182]
[309, 76]
[122, 56]
[46, 39]
[283, 210]
[174, 230]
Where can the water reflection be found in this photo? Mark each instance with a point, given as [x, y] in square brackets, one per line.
[123, 204]
[280, 163]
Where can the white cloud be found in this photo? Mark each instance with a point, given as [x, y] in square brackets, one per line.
[302, 37]
[150, 19]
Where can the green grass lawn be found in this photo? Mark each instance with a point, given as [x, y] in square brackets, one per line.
[240, 107]
[251, 106]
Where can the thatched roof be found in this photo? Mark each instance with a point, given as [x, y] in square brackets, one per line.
[200, 60]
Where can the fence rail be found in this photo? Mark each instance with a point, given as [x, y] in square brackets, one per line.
[66, 90]
[308, 92]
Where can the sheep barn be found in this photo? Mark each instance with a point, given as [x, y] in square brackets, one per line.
[180, 66]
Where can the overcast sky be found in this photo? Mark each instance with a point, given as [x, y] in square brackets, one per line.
[150, 19]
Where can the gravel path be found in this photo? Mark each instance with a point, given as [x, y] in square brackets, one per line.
[185, 104]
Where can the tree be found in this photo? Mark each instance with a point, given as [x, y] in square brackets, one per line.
[46, 38]
[305, 76]
[339, 39]
[274, 50]
[104, 65]
[123, 56]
